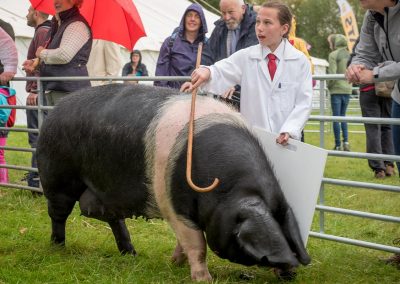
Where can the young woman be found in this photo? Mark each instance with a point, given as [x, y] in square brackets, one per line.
[275, 77]
[135, 67]
[178, 53]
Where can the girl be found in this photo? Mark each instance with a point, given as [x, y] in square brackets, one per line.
[135, 67]
[275, 77]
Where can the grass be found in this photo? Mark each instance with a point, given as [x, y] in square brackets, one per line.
[91, 256]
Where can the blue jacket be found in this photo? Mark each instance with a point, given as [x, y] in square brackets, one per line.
[247, 35]
[178, 56]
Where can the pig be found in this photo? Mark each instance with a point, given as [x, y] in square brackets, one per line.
[120, 150]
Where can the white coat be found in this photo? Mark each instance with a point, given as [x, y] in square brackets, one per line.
[281, 105]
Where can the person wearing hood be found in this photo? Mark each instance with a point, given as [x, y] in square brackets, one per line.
[178, 53]
[339, 90]
[135, 67]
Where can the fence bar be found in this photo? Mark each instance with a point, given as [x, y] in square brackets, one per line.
[355, 242]
[359, 184]
[17, 129]
[364, 155]
[32, 150]
[356, 213]
[358, 119]
[18, 186]
[20, 168]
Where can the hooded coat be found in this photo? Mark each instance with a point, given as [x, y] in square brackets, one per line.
[338, 65]
[178, 56]
[379, 46]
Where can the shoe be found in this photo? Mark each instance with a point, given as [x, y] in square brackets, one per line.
[337, 148]
[346, 146]
[380, 174]
[390, 170]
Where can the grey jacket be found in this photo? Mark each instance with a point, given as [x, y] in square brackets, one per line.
[379, 46]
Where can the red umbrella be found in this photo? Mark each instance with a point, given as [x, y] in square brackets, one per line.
[113, 20]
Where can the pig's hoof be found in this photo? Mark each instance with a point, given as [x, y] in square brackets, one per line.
[203, 275]
[288, 274]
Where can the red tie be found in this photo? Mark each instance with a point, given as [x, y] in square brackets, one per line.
[271, 65]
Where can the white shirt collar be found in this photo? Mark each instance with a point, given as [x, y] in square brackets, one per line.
[278, 52]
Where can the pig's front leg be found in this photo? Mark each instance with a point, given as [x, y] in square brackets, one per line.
[194, 247]
[178, 257]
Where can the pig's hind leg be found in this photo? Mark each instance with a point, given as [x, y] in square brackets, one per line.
[61, 200]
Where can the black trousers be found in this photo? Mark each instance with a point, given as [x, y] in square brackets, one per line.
[379, 136]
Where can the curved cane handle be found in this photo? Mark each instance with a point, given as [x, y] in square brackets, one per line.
[190, 139]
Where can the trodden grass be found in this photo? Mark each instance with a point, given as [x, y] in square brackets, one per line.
[91, 256]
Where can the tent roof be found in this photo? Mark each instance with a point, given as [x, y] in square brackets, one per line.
[159, 18]
[14, 12]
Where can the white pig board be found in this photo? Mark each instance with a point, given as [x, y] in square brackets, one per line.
[299, 168]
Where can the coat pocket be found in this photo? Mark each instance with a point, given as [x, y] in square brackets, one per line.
[286, 91]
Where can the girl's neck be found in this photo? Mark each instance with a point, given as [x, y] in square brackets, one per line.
[191, 36]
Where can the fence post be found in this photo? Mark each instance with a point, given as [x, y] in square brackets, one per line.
[322, 95]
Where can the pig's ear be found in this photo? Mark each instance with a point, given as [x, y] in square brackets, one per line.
[291, 231]
[262, 239]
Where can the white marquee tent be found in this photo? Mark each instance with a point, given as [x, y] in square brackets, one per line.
[160, 18]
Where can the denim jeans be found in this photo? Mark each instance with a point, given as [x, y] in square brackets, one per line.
[339, 103]
[396, 130]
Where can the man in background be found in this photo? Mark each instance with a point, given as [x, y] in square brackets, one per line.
[234, 31]
[104, 60]
[40, 22]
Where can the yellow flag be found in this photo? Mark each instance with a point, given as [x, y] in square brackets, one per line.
[349, 22]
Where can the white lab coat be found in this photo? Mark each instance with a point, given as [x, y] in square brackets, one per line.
[282, 105]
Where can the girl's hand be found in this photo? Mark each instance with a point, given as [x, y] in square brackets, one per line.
[186, 87]
[283, 138]
[199, 76]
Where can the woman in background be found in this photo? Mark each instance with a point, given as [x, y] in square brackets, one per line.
[135, 67]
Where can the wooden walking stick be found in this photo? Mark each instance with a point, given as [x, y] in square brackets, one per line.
[190, 138]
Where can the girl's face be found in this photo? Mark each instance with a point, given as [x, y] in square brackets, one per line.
[192, 21]
[135, 58]
[268, 28]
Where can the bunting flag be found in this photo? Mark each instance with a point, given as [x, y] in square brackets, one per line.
[349, 22]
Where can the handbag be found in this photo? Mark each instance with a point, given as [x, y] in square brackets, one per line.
[384, 89]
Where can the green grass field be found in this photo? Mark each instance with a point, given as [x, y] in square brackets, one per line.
[91, 255]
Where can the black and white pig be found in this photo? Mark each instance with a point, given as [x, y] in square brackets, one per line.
[120, 150]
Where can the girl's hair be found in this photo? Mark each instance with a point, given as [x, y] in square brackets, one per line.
[284, 14]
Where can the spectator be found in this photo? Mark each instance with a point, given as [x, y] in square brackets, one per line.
[275, 77]
[7, 28]
[104, 60]
[375, 46]
[37, 20]
[135, 67]
[339, 90]
[9, 62]
[378, 136]
[178, 53]
[233, 32]
[67, 52]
